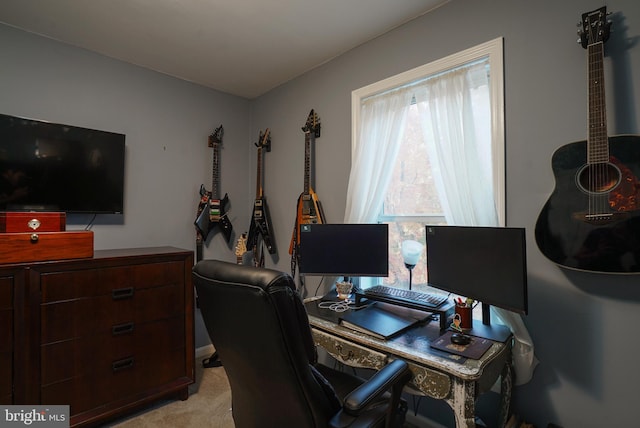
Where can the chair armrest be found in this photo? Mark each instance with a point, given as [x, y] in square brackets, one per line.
[396, 373]
[355, 413]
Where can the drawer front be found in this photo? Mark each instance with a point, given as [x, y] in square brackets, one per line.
[430, 382]
[349, 353]
[6, 340]
[6, 330]
[119, 280]
[127, 385]
[94, 371]
[6, 293]
[80, 317]
[6, 377]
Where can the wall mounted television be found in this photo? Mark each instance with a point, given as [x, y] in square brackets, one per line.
[349, 250]
[487, 264]
[53, 167]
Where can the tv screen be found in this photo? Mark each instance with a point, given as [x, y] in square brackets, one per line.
[52, 167]
[344, 249]
[487, 264]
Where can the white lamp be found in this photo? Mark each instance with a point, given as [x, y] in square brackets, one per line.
[411, 251]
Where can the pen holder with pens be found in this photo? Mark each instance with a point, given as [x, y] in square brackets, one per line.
[463, 316]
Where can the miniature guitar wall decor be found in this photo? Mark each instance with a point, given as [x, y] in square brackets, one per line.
[309, 208]
[241, 248]
[591, 221]
[211, 209]
[260, 220]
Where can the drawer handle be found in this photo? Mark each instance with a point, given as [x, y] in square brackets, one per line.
[122, 328]
[124, 364]
[122, 293]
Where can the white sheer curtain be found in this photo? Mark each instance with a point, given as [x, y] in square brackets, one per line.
[462, 175]
[461, 167]
[382, 123]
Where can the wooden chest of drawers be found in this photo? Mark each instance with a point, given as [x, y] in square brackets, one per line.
[6, 339]
[107, 334]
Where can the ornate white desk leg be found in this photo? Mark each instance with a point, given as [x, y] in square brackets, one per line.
[463, 403]
[506, 386]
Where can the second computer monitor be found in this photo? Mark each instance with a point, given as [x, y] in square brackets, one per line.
[487, 264]
[344, 250]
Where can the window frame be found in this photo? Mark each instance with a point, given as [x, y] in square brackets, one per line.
[492, 49]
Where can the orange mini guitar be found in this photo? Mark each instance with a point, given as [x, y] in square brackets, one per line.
[241, 248]
[309, 206]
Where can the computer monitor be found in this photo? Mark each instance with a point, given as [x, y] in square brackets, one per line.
[487, 264]
[344, 250]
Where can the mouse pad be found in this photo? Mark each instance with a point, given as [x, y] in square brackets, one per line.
[475, 349]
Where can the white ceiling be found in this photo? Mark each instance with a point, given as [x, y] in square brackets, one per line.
[242, 47]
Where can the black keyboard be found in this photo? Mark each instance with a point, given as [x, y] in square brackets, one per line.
[403, 297]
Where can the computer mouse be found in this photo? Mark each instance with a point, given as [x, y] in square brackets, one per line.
[460, 339]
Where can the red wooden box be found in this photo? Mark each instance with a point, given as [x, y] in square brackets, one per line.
[11, 222]
[44, 246]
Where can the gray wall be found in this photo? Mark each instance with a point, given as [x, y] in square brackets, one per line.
[166, 122]
[578, 321]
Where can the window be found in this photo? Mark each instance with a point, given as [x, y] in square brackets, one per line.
[385, 185]
[428, 148]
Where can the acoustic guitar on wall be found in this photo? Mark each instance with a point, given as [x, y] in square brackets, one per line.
[309, 209]
[591, 221]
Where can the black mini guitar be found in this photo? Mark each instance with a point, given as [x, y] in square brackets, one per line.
[260, 221]
[211, 209]
[591, 221]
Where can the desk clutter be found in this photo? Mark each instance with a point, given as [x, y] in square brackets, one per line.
[387, 321]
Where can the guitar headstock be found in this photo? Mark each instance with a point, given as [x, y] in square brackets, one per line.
[264, 140]
[312, 124]
[216, 136]
[241, 246]
[594, 27]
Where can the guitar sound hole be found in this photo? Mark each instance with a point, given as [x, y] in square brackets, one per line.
[598, 178]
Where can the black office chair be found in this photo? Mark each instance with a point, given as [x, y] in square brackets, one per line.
[260, 330]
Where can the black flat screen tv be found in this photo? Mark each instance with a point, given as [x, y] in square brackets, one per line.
[53, 167]
[348, 250]
[487, 264]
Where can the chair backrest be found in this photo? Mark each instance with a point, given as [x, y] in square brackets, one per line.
[260, 329]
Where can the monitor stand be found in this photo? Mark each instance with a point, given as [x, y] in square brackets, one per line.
[499, 333]
[444, 312]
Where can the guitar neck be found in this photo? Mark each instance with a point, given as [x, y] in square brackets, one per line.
[307, 161]
[598, 144]
[259, 191]
[215, 183]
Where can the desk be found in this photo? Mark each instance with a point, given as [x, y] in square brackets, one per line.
[436, 374]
